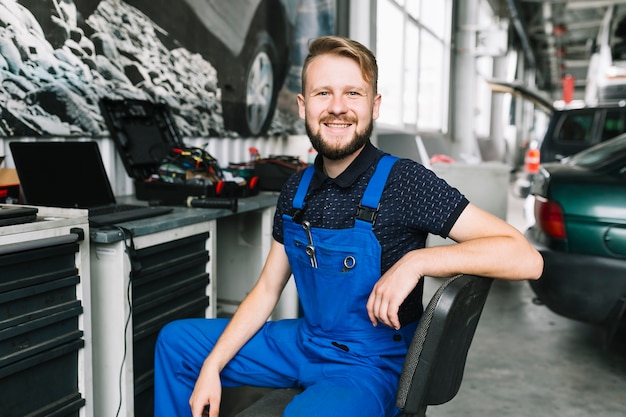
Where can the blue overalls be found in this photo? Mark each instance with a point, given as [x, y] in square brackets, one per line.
[335, 271]
[347, 366]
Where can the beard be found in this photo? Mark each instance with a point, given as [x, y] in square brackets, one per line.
[335, 153]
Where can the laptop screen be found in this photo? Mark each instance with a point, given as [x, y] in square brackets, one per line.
[62, 174]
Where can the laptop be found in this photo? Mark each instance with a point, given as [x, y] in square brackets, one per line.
[72, 175]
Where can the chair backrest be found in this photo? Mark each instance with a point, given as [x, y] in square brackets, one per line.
[434, 366]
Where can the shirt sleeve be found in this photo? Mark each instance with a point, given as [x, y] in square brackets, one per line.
[424, 200]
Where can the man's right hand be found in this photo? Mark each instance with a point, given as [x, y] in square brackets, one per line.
[207, 392]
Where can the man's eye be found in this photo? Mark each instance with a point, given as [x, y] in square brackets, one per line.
[323, 93]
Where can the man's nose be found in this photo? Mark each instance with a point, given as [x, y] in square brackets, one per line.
[337, 104]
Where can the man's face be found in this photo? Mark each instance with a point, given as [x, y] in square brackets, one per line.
[338, 106]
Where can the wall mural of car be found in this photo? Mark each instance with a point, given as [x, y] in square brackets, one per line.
[580, 212]
[225, 68]
[249, 43]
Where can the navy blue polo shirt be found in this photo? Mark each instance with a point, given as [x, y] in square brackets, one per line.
[414, 203]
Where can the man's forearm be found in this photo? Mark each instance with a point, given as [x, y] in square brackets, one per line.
[495, 257]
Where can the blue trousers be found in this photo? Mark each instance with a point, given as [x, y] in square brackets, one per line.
[280, 355]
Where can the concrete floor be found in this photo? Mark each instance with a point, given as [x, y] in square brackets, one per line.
[526, 361]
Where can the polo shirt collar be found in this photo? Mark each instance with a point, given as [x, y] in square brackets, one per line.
[365, 159]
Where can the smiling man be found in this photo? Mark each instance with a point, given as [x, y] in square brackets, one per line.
[339, 110]
[352, 230]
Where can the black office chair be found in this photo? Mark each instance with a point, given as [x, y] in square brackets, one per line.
[435, 362]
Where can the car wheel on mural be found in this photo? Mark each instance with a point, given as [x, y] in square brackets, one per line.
[249, 107]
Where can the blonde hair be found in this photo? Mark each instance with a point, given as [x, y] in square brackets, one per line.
[336, 45]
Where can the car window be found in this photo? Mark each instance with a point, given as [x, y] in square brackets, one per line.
[575, 129]
[613, 125]
[617, 38]
[601, 155]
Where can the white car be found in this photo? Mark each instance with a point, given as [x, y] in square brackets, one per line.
[606, 77]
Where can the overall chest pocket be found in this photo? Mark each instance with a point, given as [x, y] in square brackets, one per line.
[334, 285]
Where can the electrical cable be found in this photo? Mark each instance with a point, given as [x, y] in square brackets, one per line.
[129, 249]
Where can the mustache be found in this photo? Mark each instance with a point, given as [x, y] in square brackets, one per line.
[349, 120]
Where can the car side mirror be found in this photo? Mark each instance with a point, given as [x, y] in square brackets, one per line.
[591, 46]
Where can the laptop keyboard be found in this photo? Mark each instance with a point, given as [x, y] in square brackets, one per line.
[136, 213]
[98, 211]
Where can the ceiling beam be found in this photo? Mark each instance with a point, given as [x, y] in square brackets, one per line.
[590, 4]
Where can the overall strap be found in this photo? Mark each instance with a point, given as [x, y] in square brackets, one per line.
[368, 209]
[303, 187]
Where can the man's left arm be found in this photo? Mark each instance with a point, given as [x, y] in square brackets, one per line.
[486, 246]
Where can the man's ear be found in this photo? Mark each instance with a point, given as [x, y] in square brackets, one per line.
[376, 106]
[301, 109]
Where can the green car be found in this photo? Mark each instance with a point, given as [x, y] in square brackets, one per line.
[580, 229]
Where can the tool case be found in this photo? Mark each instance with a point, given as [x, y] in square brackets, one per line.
[155, 156]
[272, 172]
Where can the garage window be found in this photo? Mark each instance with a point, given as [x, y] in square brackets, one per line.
[412, 48]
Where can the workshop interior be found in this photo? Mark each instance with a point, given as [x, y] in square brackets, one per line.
[144, 144]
